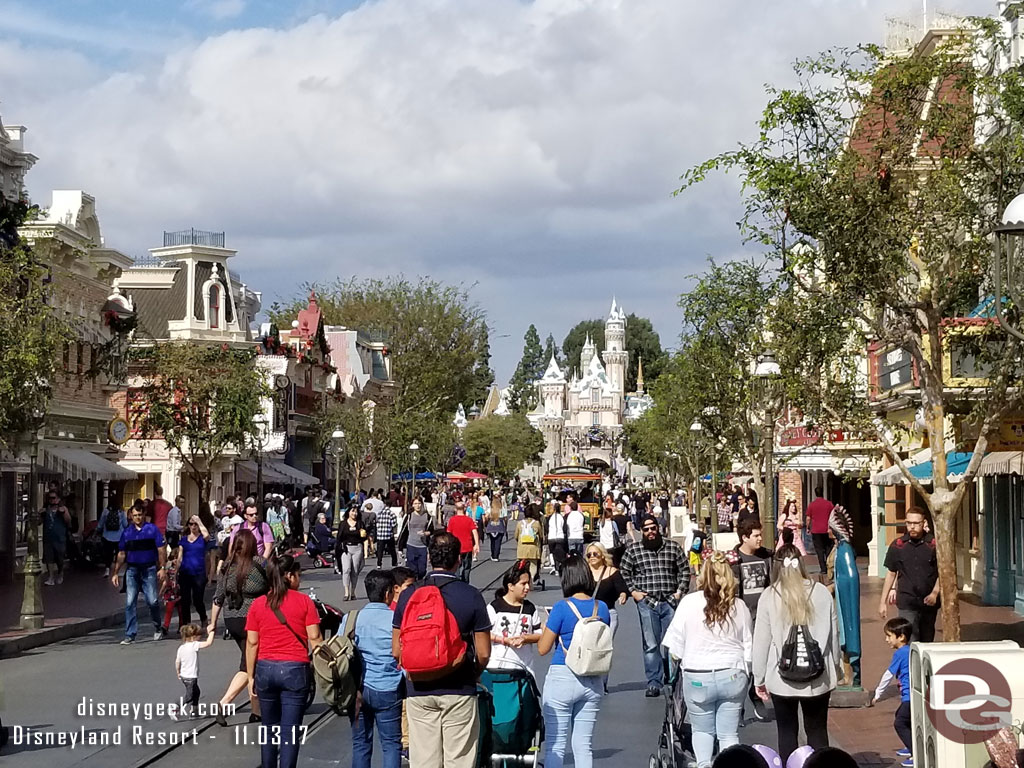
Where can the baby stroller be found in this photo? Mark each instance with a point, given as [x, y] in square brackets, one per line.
[171, 596]
[321, 555]
[675, 747]
[517, 724]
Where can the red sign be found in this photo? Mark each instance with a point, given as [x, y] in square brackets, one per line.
[798, 437]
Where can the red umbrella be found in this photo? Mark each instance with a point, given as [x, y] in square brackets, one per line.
[475, 476]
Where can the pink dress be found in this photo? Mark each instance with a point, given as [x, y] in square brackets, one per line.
[793, 522]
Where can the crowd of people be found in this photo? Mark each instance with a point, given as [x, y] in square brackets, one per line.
[744, 624]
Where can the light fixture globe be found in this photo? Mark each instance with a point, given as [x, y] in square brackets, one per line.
[1012, 221]
[696, 427]
[338, 435]
[767, 367]
[414, 447]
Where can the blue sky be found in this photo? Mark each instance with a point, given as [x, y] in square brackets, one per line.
[528, 149]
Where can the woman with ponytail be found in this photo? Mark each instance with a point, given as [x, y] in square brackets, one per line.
[711, 636]
[516, 623]
[795, 601]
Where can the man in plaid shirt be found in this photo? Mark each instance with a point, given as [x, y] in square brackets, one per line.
[386, 524]
[657, 573]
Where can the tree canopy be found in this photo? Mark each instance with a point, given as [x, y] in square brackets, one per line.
[523, 396]
[501, 445]
[876, 184]
[201, 400]
[33, 330]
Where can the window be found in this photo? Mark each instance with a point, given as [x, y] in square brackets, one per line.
[80, 358]
[596, 419]
[213, 313]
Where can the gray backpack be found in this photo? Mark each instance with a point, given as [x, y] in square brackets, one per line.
[590, 650]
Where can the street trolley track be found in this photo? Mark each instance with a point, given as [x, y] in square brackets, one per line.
[318, 724]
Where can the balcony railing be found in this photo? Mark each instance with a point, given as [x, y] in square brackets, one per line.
[194, 237]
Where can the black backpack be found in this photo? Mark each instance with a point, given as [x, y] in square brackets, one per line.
[801, 660]
[113, 521]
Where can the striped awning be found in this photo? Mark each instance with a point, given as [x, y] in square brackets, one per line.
[80, 464]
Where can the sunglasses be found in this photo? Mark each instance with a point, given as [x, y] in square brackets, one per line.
[649, 528]
[593, 554]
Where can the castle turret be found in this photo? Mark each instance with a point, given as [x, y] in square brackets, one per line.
[616, 358]
[552, 389]
[587, 353]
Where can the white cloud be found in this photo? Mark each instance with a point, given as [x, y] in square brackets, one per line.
[531, 147]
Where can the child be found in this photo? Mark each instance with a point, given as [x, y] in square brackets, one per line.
[404, 577]
[186, 663]
[897, 636]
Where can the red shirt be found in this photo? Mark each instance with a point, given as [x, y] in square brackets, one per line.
[160, 509]
[819, 511]
[462, 527]
[278, 642]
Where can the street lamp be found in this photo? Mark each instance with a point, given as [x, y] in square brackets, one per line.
[413, 449]
[629, 472]
[1006, 262]
[32, 599]
[710, 413]
[768, 381]
[337, 446]
[697, 429]
[261, 424]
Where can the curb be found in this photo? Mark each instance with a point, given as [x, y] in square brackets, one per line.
[12, 646]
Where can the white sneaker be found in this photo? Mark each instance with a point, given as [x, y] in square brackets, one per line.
[172, 712]
[106, 573]
[49, 582]
[60, 578]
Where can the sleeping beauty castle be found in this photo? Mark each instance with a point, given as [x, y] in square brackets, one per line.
[581, 417]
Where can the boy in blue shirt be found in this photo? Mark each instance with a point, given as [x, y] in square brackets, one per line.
[382, 681]
[897, 636]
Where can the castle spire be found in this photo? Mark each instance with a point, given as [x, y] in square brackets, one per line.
[640, 374]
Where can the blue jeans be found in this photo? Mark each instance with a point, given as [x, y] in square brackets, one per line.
[383, 709]
[416, 560]
[715, 703]
[282, 688]
[140, 579]
[569, 700]
[654, 621]
[465, 565]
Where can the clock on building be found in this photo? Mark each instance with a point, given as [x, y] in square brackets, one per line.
[118, 430]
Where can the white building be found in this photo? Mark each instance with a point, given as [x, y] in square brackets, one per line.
[14, 161]
[582, 417]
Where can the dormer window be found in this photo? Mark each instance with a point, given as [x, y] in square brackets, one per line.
[213, 307]
[595, 394]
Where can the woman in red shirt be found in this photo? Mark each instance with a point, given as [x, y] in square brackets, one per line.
[282, 627]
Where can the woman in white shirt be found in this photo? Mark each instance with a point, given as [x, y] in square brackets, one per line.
[516, 623]
[711, 635]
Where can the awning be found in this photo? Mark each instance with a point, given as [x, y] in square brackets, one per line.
[80, 464]
[246, 472]
[956, 465]
[419, 476]
[292, 475]
[1002, 463]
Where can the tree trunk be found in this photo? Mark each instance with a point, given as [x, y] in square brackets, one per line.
[944, 520]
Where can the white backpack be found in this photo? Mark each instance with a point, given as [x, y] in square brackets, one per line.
[590, 650]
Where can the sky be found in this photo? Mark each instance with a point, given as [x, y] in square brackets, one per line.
[527, 150]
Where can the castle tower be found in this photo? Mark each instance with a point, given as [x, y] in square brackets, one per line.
[587, 354]
[616, 358]
[552, 389]
[640, 375]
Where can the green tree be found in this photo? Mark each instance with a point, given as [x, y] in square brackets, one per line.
[367, 430]
[642, 341]
[876, 183]
[436, 334]
[501, 445]
[523, 396]
[202, 401]
[34, 329]
[551, 349]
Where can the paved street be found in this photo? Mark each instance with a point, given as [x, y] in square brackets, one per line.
[58, 676]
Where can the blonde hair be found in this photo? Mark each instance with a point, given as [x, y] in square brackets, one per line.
[190, 632]
[789, 583]
[718, 583]
[603, 552]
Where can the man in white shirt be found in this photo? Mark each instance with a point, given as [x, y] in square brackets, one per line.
[577, 522]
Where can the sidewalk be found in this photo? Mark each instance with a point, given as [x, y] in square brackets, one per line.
[84, 603]
[868, 734]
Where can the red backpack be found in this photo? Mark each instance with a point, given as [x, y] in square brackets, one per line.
[431, 643]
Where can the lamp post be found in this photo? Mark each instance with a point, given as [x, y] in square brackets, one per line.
[413, 449]
[768, 378]
[32, 599]
[629, 472]
[261, 424]
[337, 446]
[710, 413]
[1006, 263]
[696, 428]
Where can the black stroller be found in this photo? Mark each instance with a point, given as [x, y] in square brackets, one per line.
[675, 746]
